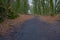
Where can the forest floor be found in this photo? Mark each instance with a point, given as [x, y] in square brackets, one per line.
[37, 29]
[50, 19]
[8, 25]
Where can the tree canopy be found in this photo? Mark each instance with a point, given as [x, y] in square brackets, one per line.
[11, 8]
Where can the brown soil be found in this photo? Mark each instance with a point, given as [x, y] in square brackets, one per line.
[8, 23]
[50, 19]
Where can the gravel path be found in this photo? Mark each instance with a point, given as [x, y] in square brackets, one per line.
[36, 29]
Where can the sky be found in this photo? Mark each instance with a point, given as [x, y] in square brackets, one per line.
[30, 2]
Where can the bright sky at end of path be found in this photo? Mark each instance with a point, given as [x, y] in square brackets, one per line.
[30, 2]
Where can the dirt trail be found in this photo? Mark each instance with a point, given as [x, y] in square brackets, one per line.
[8, 25]
[36, 29]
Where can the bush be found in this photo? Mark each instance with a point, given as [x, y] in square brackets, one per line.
[11, 15]
[1, 19]
[58, 15]
[2, 14]
[6, 7]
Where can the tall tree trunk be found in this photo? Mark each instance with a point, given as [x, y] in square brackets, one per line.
[39, 7]
[51, 7]
[35, 6]
[25, 6]
[43, 7]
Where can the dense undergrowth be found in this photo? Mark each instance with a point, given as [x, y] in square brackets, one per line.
[7, 11]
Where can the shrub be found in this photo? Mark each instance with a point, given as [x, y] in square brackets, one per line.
[2, 13]
[1, 19]
[11, 15]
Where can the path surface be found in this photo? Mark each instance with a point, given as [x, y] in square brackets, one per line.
[36, 29]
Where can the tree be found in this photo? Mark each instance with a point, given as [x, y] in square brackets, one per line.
[3, 9]
[24, 6]
[51, 7]
[13, 10]
[39, 7]
[58, 7]
[9, 9]
[35, 5]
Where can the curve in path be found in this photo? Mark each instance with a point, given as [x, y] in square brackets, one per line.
[36, 29]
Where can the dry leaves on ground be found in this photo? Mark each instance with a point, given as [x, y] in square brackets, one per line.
[7, 25]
